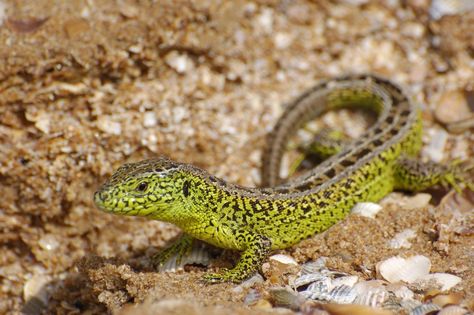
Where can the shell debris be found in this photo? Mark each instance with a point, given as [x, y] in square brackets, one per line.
[402, 239]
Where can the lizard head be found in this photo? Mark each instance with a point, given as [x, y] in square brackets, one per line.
[148, 188]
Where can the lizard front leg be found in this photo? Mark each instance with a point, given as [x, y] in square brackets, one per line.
[257, 249]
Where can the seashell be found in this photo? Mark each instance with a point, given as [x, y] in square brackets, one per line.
[453, 310]
[342, 294]
[307, 279]
[284, 259]
[397, 268]
[314, 266]
[286, 298]
[400, 291]
[198, 255]
[318, 290]
[346, 280]
[409, 304]
[401, 240]
[371, 293]
[333, 274]
[392, 303]
[366, 209]
[424, 309]
[445, 280]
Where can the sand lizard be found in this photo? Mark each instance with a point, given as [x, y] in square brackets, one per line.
[258, 220]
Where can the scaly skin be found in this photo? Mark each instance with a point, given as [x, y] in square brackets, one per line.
[258, 220]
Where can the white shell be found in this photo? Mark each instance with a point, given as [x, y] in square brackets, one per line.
[401, 240]
[318, 290]
[284, 259]
[307, 279]
[424, 309]
[198, 255]
[445, 280]
[314, 266]
[409, 304]
[342, 294]
[453, 310]
[400, 291]
[346, 280]
[397, 269]
[370, 293]
[366, 209]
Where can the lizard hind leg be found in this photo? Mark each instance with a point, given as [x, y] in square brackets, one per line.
[414, 175]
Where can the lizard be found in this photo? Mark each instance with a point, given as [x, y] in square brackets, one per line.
[256, 221]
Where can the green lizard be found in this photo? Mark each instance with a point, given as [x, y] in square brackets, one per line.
[258, 220]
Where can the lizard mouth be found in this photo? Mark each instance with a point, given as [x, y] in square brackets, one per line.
[100, 199]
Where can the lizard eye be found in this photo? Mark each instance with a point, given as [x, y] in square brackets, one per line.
[142, 186]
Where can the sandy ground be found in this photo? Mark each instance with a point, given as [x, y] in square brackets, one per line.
[88, 85]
